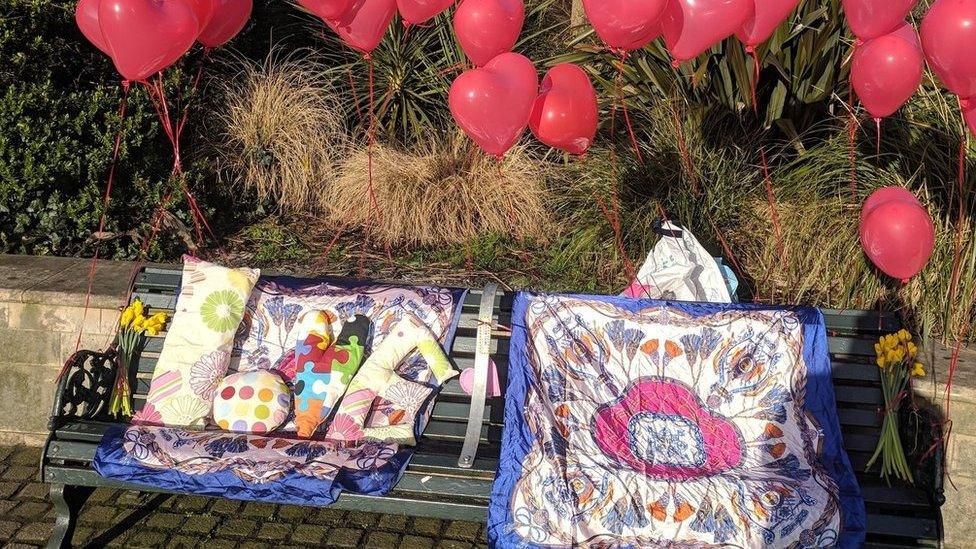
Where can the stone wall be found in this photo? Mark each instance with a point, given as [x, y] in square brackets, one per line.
[42, 308]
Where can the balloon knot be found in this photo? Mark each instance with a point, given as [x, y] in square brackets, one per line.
[904, 281]
[750, 49]
[675, 64]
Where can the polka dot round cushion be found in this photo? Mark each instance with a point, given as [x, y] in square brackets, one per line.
[251, 402]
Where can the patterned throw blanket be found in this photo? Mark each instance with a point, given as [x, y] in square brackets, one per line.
[280, 468]
[649, 424]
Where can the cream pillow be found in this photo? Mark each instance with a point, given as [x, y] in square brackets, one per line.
[197, 348]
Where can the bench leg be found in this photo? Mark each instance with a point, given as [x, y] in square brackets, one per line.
[67, 502]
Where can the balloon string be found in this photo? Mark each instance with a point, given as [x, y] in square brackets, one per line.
[755, 78]
[106, 198]
[771, 197]
[685, 153]
[612, 216]
[957, 251]
[877, 133]
[852, 146]
[619, 96]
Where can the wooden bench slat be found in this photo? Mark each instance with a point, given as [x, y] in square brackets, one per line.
[902, 526]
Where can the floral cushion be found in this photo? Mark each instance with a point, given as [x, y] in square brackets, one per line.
[198, 346]
[251, 402]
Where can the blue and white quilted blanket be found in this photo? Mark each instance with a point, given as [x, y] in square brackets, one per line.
[634, 423]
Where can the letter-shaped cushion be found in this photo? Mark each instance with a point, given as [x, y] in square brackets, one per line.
[377, 379]
[324, 370]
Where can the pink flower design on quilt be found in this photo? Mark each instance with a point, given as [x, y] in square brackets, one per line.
[660, 428]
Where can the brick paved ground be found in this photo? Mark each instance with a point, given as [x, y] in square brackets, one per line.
[131, 519]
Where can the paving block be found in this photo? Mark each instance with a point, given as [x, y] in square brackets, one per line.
[237, 529]
[361, 519]
[424, 526]
[7, 529]
[274, 531]
[34, 491]
[253, 545]
[26, 455]
[182, 542]
[454, 544]
[165, 521]
[225, 507]
[381, 540]
[416, 542]
[199, 524]
[344, 537]
[332, 517]
[396, 523]
[8, 489]
[146, 538]
[308, 534]
[462, 530]
[30, 510]
[294, 513]
[190, 503]
[35, 532]
[21, 473]
[99, 514]
[259, 510]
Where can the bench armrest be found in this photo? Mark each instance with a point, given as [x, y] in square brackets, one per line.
[85, 388]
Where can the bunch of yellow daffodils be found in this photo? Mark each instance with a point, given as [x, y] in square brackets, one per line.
[897, 359]
[134, 327]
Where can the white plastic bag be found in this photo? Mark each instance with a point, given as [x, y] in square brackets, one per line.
[679, 269]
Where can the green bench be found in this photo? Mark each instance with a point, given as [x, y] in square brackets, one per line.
[451, 474]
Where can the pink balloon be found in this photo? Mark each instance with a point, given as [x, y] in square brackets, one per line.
[873, 18]
[229, 17]
[204, 10]
[884, 195]
[365, 24]
[767, 16]
[886, 71]
[492, 104]
[625, 24]
[899, 238]
[327, 9]
[86, 16]
[690, 27]
[146, 36]
[415, 12]
[487, 28]
[948, 37]
[565, 115]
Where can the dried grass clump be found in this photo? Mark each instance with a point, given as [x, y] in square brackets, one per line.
[444, 192]
[283, 134]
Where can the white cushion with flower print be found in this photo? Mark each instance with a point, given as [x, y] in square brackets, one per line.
[198, 345]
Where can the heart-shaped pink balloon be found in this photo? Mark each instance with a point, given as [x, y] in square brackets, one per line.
[886, 71]
[486, 28]
[415, 12]
[873, 18]
[492, 104]
[365, 24]
[327, 9]
[204, 10]
[625, 24]
[948, 35]
[86, 16]
[146, 36]
[767, 16]
[565, 115]
[229, 17]
[690, 27]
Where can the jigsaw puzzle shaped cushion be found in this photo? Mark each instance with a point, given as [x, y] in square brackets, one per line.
[251, 402]
[324, 370]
